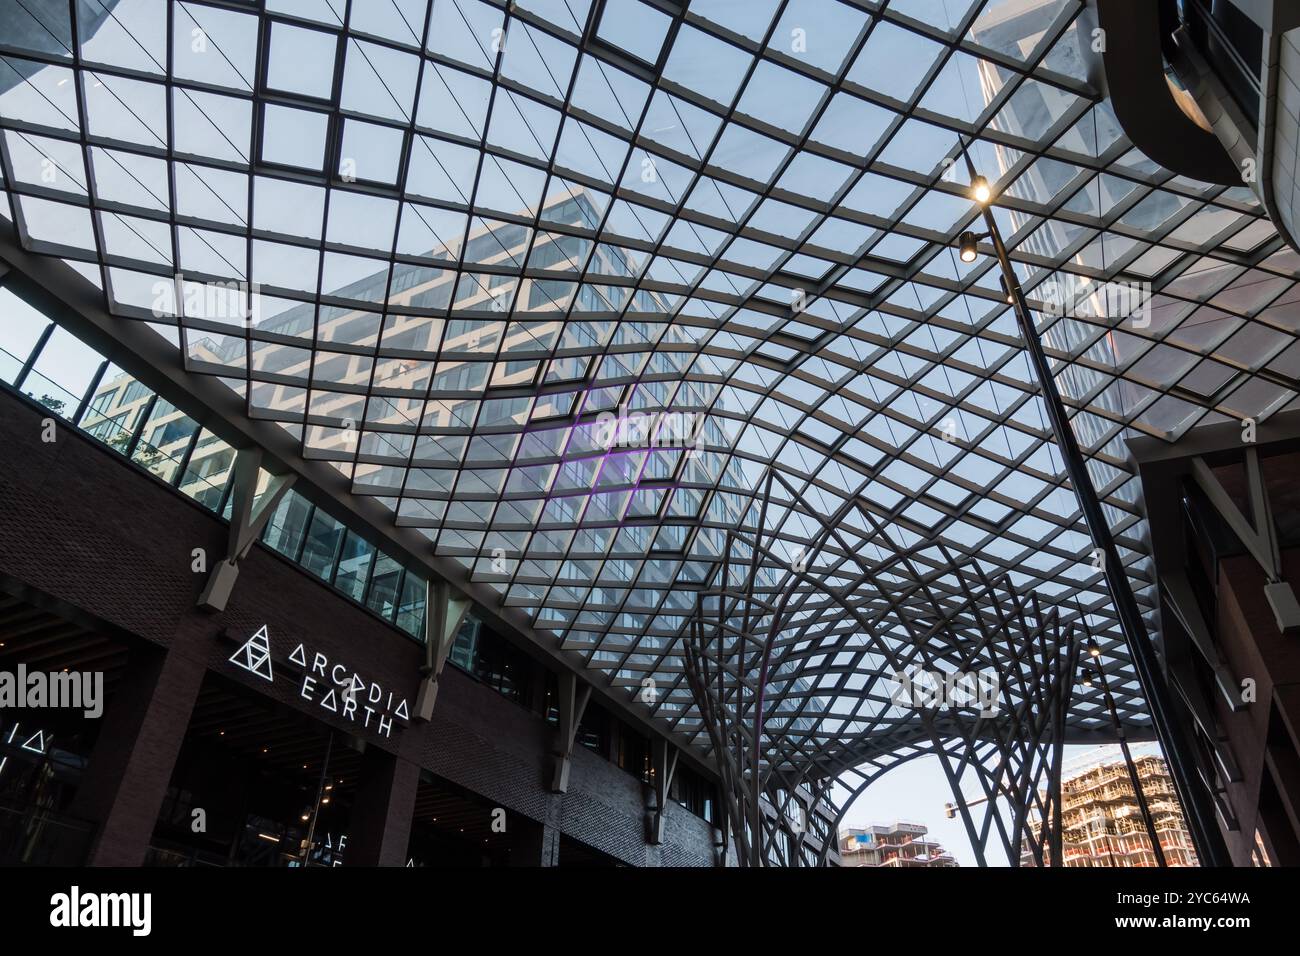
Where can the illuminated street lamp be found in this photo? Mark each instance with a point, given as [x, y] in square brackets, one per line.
[1198, 811]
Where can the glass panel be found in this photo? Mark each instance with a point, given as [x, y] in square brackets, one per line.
[163, 442]
[62, 373]
[354, 564]
[115, 409]
[410, 609]
[208, 471]
[382, 596]
[322, 545]
[465, 649]
[286, 528]
[20, 327]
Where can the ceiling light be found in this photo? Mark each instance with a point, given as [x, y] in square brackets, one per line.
[980, 191]
[966, 244]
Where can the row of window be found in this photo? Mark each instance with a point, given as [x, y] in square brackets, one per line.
[491, 659]
[55, 369]
[52, 367]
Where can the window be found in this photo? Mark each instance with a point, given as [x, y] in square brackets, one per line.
[382, 597]
[286, 528]
[410, 607]
[115, 411]
[322, 545]
[693, 792]
[492, 659]
[593, 729]
[170, 431]
[465, 649]
[634, 753]
[21, 328]
[354, 566]
[208, 470]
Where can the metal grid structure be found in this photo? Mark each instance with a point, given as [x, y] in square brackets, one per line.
[906, 662]
[443, 243]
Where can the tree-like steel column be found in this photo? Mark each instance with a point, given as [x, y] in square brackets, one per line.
[784, 758]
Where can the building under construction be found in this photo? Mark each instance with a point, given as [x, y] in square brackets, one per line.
[896, 844]
[1103, 822]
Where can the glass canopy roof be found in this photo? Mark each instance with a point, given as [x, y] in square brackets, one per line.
[556, 281]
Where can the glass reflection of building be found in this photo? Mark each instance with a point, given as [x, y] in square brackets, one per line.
[1018, 26]
[462, 358]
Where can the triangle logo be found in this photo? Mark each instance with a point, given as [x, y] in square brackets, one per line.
[255, 655]
[36, 743]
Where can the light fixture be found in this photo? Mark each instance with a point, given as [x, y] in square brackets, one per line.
[1094, 650]
[966, 244]
[980, 191]
[1006, 291]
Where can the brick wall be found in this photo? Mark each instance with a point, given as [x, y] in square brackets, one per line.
[84, 527]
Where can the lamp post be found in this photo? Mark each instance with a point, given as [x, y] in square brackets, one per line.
[1128, 759]
[1182, 761]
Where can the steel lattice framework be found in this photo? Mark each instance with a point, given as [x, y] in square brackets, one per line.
[815, 681]
[441, 243]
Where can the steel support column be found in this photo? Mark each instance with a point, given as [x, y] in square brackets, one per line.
[1196, 802]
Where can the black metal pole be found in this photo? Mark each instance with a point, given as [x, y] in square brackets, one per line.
[320, 796]
[1199, 813]
[1145, 810]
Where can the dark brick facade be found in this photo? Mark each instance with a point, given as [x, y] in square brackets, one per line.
[86, 530]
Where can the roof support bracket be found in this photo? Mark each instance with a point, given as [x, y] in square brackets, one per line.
[664, 757]
[1258, 536]
[1182, 602]
[1183, 681]
[248, 516]
[444, 612]
[573, 701]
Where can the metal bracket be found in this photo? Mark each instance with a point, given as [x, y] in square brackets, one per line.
[444, 611]
[1182, 681]
[572, 703]
[664, 757]
[248, 516]
[1182, 602]
[1259, 537]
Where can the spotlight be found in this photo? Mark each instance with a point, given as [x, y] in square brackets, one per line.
[980, 191]
[1094, 650]
[1006, 291]
[966, 243]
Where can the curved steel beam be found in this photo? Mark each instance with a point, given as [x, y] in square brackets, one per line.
[1140, 96]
